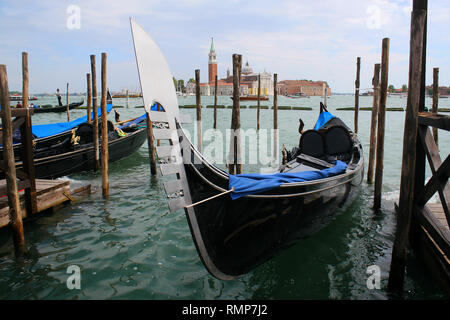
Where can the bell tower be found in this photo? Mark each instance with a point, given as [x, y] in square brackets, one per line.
[212, 63]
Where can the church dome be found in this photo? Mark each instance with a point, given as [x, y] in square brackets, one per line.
[247, 69]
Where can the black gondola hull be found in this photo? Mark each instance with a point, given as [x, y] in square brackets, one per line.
[83, 159]
[73, 105]
[235, 236]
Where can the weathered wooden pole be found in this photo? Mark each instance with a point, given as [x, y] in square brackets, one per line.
[95, 113]
[128, 99]
[236, 167]
[215, 102]
[325, 97]
[105, 153]
[67, 102]
[435, 100]
[407, 184]
[373, 123]
[357, 83]
[27, 142]
[15, 214]
[258, 108]
[198, 102]
[275, 115]
[89, 97]
[381, 124]
[151, 145]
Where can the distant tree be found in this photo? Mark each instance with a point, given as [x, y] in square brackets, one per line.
[404, 88]
[175, 82]
[391, 88]
[181, 86]
[191, 80]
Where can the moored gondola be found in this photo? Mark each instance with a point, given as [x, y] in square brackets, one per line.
[73, 105]
[76, 152]
[238, 222]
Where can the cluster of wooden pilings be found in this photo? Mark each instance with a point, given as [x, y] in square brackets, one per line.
[38, 195]
[423, 226]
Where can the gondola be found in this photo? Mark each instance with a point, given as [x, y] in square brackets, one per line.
[76, 153]
[45, 135]
[236, 222]
[72, 105]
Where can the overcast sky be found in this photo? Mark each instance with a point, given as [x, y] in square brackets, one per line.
[298, 39]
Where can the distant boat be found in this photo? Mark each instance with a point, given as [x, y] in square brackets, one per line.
[297, 95]
[19, 98]
[129, 96]
[252, 98]
[73, 105]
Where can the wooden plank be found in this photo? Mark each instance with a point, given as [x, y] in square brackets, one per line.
[437, 182]
[439, 233]
[439, 121]
[434, 159]
[19, 112]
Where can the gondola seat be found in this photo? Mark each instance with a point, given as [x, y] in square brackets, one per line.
[312, 144]
[338, 143]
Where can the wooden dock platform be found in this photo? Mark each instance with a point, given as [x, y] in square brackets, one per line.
[49, 194]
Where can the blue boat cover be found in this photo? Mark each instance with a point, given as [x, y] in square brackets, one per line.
[47, 130]
[252, 183]
[324, 117]
[137, 120]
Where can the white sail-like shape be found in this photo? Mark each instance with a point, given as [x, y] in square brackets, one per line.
[154, 72]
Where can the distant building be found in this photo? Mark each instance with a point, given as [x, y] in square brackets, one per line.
[307, 87]
[249, 80]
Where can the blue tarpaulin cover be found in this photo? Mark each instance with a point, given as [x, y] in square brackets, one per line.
[137, 120]
[252, 183]
[47, 130]
[324, 117]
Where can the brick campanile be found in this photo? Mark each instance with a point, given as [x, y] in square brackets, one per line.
[212, 63]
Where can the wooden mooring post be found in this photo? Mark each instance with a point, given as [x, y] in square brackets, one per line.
[9, 166]
[435, 100]
[67, 103]
[104, 115]
[258, 108]
[198, 103]
[89, 97]
[95, 113]
[151, 145]
[275, 116]
[27, 142]
[374, 121]
[409, 169]
[215, 102]
[381, 124]
[357, 84]
[235, 167]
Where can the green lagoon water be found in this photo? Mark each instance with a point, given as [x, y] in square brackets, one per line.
[131, 247]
